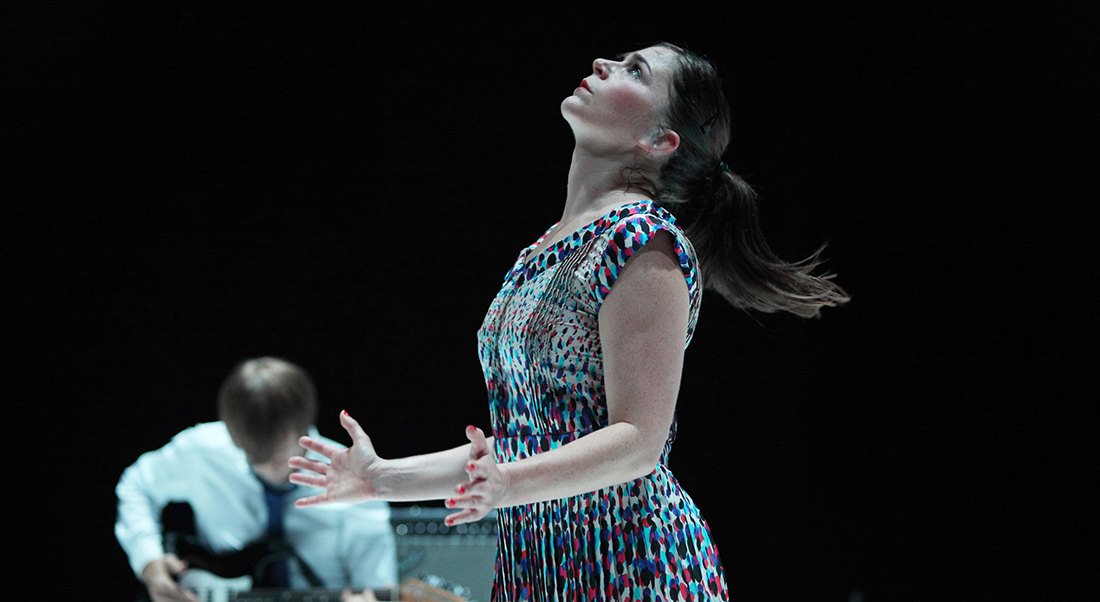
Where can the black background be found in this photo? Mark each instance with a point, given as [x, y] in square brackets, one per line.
[347, 189]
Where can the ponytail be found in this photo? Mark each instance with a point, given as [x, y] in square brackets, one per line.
[737, 262]
[718, 208]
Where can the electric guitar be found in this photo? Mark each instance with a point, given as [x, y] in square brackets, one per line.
[230, 576]
[212, 588]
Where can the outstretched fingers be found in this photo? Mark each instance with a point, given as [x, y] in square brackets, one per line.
[307, 464]
[351, 425]
[324, 449]
[310, 501]
[477, 466]
[468, 515]
[479, 470]
[301, 478]
[479, 446]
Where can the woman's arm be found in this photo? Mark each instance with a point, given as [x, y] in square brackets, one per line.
[643, 325]
[424, 477]
[357, 473]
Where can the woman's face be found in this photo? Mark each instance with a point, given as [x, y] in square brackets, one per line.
[621, 102]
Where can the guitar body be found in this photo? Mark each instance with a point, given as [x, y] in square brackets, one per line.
[213, 588]
[237, 576]
[241, 563]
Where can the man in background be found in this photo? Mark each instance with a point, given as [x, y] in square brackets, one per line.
[226, 486]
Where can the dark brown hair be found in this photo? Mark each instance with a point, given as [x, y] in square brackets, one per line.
[718, 209]
[262, 401]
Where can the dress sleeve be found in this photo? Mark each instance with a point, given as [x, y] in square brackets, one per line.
[625, 238]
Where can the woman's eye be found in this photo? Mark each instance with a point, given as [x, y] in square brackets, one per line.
[636, 71]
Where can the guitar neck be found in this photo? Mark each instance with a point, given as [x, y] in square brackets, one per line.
[307, 595]
[411, 590]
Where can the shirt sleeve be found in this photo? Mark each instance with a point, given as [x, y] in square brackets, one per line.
[144, 489]
[369, 546]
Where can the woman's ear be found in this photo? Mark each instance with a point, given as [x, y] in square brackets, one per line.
[662, 144]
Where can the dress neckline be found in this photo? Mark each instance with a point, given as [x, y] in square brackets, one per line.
[528, 253]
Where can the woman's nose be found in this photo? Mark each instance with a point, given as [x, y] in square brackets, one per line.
[600, 67]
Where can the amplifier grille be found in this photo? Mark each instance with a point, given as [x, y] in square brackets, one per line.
[462, 555]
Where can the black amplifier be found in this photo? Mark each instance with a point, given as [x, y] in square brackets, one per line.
[459, 558]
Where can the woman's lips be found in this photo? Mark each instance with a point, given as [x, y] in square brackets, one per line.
[584, 84]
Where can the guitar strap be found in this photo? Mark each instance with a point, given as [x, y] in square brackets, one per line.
[180, 539]
[307, 571]
[280, 549]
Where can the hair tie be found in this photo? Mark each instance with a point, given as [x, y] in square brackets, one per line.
[721, 167]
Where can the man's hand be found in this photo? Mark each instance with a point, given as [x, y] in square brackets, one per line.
[160, 579]
[366, 596]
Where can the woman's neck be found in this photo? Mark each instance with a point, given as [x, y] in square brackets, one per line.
[595, 185]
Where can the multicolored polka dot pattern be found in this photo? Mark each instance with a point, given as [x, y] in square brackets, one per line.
[540, 352]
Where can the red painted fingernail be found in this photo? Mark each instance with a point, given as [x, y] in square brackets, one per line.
[472, 466]
[344, 412]
[461, 489]
[449, 521]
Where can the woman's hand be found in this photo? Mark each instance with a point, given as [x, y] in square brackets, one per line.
[347, 477]
[486, 486]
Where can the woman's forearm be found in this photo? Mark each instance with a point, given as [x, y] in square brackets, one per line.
[611, 455]
[424, 477]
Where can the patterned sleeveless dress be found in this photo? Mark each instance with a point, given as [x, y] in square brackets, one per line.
[539, 348]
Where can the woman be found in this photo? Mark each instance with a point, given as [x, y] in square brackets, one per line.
[582, 351]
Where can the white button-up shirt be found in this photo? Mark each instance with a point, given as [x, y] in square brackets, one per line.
[346, 545]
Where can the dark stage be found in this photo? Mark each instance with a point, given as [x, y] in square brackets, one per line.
[347, 189]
